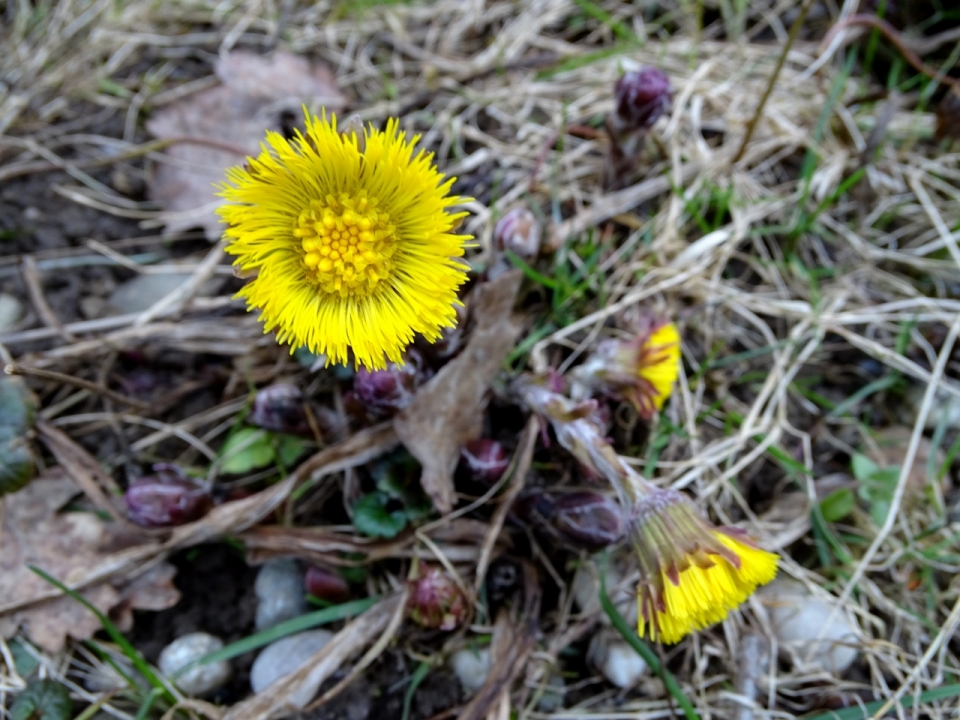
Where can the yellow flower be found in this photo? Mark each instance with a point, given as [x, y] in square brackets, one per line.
[692, 573]
[642, 371]
[659, 363]
[351, 240]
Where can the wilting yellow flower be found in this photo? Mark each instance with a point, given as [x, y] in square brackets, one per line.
[642, 371]
[351, 239]
[692, 573]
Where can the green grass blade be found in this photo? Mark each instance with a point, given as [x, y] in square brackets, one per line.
[418, 675]
[113, 631]
[644, 651]
[864, 711]
[288, 627]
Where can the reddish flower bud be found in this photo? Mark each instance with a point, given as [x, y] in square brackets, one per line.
[391, 389]
[642, 97]
[484, 459]
[588, 519]
[582, 519]
[519, 232]
[435, 600]
[326, 584]
[167, 498]
[280, 408]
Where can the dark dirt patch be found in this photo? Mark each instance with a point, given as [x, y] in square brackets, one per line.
[217, 588]
[380, 692]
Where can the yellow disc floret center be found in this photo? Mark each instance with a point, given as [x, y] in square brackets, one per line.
[348, 244]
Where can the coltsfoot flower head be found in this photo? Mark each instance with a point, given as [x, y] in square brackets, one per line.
[642, 371]
[691, 572]
[350, 238]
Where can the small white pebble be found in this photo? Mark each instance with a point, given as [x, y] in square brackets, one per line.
[615, 659]
[471, 668]
[284, 656]
[281, 593]
[586, 592]
[203, 679]
[816, 634]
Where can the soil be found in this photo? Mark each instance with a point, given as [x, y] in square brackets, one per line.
[216, 585]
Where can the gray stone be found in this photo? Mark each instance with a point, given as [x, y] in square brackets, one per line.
[284, 656]
[203, 679]
[471, 668]
[11, 311]
[615, 659]
[816, 633]
[143, 291]
[281, 594]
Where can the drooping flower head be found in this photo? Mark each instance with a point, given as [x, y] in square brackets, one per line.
[351, 240]
[642, 370]
[691, 573]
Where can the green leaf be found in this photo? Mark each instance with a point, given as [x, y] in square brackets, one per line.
[24, 662]
[289, 448]
[879, 511]
[16, 464]
[43, 700]
[863, 467]
[371, 517]
[245, 450]
[837, 505]
[17, 406]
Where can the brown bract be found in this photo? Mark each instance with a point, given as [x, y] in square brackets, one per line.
[65, 545]
[448, 410]
[220, 127]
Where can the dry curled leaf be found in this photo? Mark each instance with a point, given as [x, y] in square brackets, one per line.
[65, 545]
[226, 124]
[448, 410]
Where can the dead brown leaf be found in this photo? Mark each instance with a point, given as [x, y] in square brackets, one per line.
[227, 123]
[448, 410]
[66, 546]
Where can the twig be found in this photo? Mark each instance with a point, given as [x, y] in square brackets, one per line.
[791, 37]
[15, 369]
[31, 278]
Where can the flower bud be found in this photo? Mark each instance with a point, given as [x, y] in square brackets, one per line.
[326, 584]
[642, 97]
[485, 460]
[167, 498]
[582, 519]
[280, 408]
[588, 519]
[435, 600]
[519, 232]
[393, 388]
